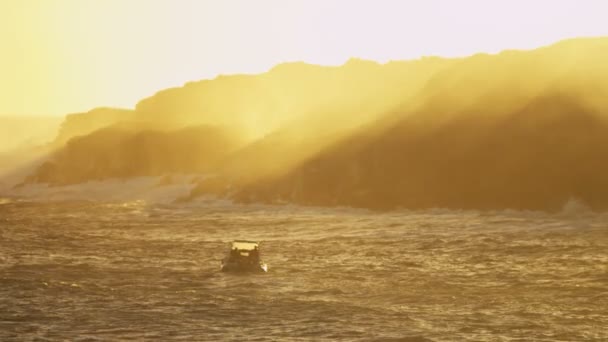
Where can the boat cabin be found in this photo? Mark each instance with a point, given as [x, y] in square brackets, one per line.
[242, 250]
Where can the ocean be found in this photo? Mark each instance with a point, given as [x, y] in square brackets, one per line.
[111, 271]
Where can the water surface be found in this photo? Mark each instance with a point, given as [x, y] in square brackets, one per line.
[116, 271]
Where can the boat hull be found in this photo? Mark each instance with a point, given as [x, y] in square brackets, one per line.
[244, 268]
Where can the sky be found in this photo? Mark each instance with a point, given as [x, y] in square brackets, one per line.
[65, 56]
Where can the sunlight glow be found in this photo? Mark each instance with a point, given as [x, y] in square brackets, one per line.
[65, 56]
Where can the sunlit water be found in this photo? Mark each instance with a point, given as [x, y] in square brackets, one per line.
[93, 271]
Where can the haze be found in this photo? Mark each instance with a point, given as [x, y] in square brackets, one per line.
[409, 170]
[66, 56]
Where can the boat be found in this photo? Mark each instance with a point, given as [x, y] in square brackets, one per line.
[244, 256]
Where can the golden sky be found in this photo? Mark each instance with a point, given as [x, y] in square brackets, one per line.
[61, 56]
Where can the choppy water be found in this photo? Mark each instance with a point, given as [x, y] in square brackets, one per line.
[92, 271]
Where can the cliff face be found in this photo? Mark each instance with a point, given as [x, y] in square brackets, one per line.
[525, 130]
[540, 157]
[124, 151]
[521, 129]
[286, 114]
[80, 124]
[265, 103]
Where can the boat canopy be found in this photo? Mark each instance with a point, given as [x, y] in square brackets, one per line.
[243, 245]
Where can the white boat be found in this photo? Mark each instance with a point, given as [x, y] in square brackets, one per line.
[244, 256]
